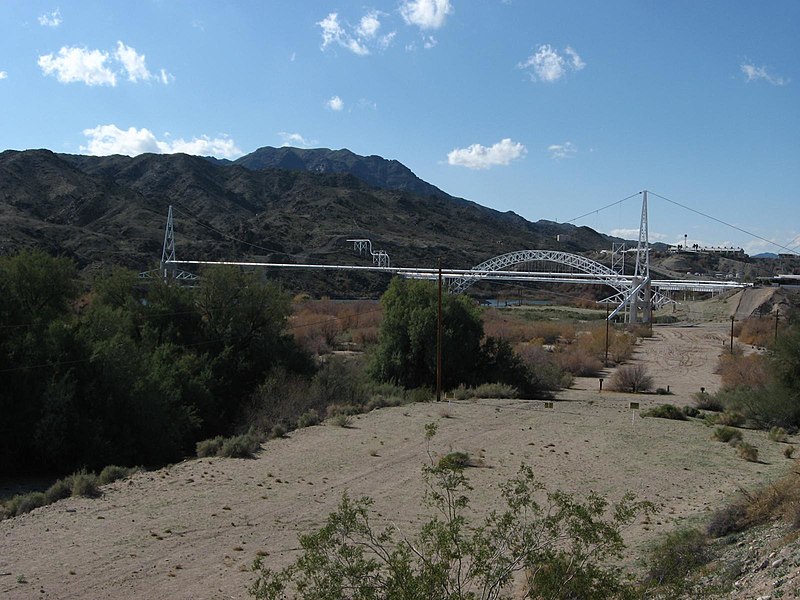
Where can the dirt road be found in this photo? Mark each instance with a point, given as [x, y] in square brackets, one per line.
[192, 530]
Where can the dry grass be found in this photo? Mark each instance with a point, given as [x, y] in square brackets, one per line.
[756, 331]
[740, 370]
[319, 326]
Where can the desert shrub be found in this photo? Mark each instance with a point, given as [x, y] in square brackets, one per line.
[462, 392]
[112, 473]
[454, 461]
[706, 401]
[691, 411]
[385, 394]
[420, 394]
[631, 378]
[341, 420]
[209, 447]
[789, 451]
[340, 381]
[579, 361]
[729, 418]
[747, 451]
[756, 331]
[727, 520]
[543, 370]
[27, 502]
[566, 548]
[621, 345]
[278, 430]
[740, 370]
[671, 561]
[495, 390]
[666, 411]
[60, 489]
[727, 434]
[240, 446]
[778, 434]
[665, 392]
[308, 419]
[84, 483]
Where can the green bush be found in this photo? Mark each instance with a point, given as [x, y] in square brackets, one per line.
[666, 411]
[726, 434]
[495, 390]
[727, 520]
[706, 401]
[456, 461]
[84, 483]
[747, 451]
[691, 411]
[778, 434]
[308, 419]
[671, 562]
[210, 447]
[278, 431]
[240, 446]
[341, 420]
[28, 502]
[112, 473]
[61, 489]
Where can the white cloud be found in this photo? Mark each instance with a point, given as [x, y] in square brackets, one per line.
[110, 139]
[79, 64]
[577, 62]
[386, 40]
[3, 75]
[633, 234]
[565, 150]
[369, 25]
[132, 62]
[295, 139]
[335, 103]
[51, 19]
[548, 65]
[429, 42]
[426, 14]
[334, 33]
[482, 157]
[754, 73]
[96, 67]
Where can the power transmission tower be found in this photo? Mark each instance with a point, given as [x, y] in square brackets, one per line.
[167, 269]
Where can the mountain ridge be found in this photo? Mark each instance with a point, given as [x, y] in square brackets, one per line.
[111, 210]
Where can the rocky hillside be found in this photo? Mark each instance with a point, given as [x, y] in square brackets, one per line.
[102, 210]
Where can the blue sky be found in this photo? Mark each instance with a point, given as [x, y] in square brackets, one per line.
[549, 109]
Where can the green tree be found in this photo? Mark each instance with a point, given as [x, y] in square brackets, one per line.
[406, 352]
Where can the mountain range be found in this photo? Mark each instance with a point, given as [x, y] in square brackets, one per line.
[275, 204]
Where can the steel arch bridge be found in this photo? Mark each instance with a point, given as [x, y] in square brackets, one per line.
[485, 270]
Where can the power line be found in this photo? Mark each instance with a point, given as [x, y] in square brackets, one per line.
[702, 214]
[183, 210]
[604, 207]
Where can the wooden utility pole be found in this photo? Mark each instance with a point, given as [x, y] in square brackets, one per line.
[439, 339]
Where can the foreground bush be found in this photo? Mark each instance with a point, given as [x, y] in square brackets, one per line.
[80, 483]
[563, 547]
[631, 378]
[729, 435]
[238, 446]
[666, 411]
[672, 561]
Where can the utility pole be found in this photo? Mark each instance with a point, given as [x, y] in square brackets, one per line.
[605, 363]
[732, 318]
[777, 316]
[439, 339]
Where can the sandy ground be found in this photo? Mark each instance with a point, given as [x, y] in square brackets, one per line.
[192, 530]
